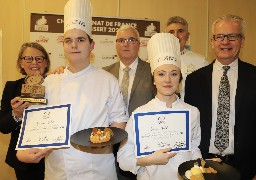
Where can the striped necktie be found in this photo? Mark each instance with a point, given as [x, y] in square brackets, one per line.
[125, 84]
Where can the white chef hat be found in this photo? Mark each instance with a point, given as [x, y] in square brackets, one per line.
[78, 14]
[163, 48]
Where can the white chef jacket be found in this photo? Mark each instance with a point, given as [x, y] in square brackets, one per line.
[95, 101]
[126, 155]
[190, 62]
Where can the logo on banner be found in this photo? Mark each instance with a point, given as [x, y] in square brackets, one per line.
[151, 30]
[60, 39]
[108, 57]
[41, 24]
[42, 39]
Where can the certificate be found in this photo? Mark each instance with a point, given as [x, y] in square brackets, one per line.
[159, 130]
[45, 127]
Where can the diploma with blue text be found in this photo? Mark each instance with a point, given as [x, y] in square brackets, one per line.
[159, 130]
[45, 127]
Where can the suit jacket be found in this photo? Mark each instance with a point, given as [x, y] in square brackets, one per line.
[198, 92]
[143, 88]
[9, 125]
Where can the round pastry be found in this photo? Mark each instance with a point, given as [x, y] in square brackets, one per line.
[99, 136]
[188, 174]
[196, 170]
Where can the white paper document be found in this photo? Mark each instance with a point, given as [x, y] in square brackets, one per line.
[160, 130]
[45, 127]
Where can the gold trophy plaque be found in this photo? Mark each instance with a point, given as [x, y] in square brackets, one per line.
[33, 91]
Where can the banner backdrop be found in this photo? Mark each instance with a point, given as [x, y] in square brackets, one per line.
[47, 29]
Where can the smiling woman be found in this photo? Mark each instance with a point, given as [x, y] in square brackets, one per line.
[32, 59]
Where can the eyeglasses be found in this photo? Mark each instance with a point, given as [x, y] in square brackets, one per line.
[230, 37]
[128, 40]
[29, 59]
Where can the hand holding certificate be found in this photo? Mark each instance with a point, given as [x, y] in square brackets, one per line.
[32, 155]
[160, 130]
[43, 127]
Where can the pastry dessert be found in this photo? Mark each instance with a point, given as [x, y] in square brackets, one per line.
[196, 172]
[99, 136]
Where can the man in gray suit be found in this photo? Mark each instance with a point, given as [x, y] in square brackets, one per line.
[141, 88]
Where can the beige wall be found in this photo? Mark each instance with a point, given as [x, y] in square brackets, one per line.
[245, 9]
[15, 18]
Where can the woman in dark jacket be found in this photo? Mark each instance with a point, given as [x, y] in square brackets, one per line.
[32, 60]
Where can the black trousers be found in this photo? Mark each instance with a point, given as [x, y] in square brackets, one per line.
[34, 171]
[122, 175]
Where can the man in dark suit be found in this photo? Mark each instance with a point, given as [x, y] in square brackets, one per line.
[202, 91]
[141, 88]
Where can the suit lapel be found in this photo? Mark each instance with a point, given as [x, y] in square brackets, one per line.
[205, 93]
[240, 84]
[138, 74]
[115, 70]
[209, 85]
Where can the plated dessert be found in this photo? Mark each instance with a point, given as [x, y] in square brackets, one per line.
[101, 136]
[196, 172]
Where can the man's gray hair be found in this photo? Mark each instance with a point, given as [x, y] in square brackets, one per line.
[177, 19]
[229, 17]
[124, 27]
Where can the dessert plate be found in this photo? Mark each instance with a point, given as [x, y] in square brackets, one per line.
[224, 171]
[82, 138]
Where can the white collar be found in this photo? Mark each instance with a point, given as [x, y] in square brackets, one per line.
[133, 66]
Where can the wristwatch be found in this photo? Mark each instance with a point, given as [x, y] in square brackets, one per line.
[16, 118]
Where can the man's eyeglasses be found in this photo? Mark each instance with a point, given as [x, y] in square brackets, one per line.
[230, 37]
[29, 59]
[128, 40]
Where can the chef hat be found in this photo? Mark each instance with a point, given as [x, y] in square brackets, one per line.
[163, 48]
[78, 14]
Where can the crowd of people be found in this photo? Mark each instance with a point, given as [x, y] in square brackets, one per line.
[219, 97]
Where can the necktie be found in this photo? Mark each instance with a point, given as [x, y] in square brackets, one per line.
[222, 125]
[125, 84]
